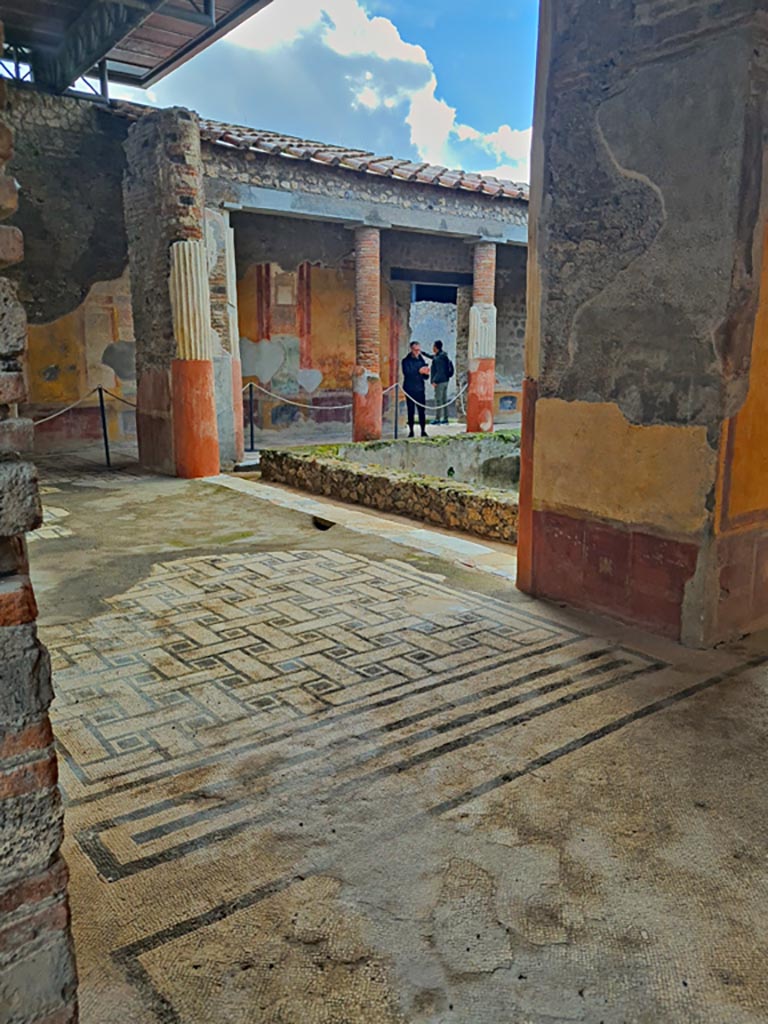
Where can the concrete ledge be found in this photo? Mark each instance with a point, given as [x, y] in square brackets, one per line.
[484, 512]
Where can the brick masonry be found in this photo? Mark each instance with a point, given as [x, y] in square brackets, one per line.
[38, 981]
[484, 284]
[366, 380]
[367, 297]
[483, 512]
[163, 147]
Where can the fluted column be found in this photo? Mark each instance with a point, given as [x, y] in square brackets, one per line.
[195, 435]
[482, 340]
[366, 381]
[164, 202]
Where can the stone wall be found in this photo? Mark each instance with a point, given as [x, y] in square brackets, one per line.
[511, 317]
[483, 512]
[227, 169]
[70, 160]
[37, 970]
[73, 281]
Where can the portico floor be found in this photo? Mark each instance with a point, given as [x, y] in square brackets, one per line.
[317, 776]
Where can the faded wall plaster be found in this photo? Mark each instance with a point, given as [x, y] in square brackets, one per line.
[641, 243]
[428, 322]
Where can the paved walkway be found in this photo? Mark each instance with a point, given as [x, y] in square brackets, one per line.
[318, 776]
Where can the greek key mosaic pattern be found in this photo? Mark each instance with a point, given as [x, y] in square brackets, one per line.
[230, 697]
[207, 650]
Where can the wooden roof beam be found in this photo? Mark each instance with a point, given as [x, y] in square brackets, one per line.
[89, 39]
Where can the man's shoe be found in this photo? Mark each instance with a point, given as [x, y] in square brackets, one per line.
[424, 433]
[435, 423]
[410, 433]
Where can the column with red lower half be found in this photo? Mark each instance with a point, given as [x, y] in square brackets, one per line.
[366, 380]
[481, 375]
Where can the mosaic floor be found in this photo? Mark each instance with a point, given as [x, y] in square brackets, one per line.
[322, 786]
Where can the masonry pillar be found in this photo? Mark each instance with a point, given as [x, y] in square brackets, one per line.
[481, 363]
[38, 982]
[463, 306]
[163, 199]
[220, 245]
[644, 484]
[366, 381]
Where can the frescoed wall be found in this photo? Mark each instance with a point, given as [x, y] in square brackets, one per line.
[296, 308]
[297, 340]
[67, 358]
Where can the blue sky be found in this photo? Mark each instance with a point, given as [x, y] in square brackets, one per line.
[450, 82]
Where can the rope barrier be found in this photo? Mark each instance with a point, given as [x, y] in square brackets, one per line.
[60, 412]
[93, 391]
[304, 405]
[119, 398]
[433, 407]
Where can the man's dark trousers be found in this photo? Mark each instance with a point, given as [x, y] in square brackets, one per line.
[411, 407]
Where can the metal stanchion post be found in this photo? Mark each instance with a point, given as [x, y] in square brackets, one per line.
[397, 406]
[250, 411]
[104, 426]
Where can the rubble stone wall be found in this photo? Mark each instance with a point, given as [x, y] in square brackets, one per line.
[70, 160]
[227, 169]
[483, 512]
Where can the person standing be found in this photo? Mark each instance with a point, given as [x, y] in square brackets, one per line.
[441, 372]
[415, 372]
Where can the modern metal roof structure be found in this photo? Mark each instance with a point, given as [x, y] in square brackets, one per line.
[131, 41]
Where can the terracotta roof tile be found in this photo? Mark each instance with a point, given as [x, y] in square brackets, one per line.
[288, 146]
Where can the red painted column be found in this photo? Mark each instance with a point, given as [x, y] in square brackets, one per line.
[482, 341]
[366, 380]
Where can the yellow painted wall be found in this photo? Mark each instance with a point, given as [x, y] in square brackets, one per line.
[56, 360]
[333, 325]
[64, 357]
[746, 486]
[591, 460]
[247, 305]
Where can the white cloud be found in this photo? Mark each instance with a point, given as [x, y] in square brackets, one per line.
[510, 147]
[368, 97]
[342, 65]
[346, 28]
[147, 97]
[431, 122]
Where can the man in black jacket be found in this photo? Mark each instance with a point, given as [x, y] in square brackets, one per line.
[441, 373]
[415, 372]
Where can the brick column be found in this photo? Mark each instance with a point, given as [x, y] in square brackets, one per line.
[38, 982]
[366, 382]
[163, 198]
[482, 340]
